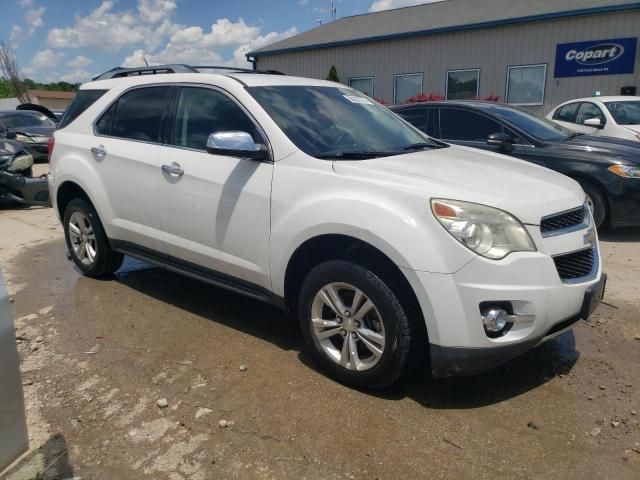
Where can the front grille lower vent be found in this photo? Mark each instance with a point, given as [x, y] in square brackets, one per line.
[575, 265]
[572, 219]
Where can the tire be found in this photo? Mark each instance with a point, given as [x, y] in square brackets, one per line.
[385, 326]
[597, 203]
[97, 258]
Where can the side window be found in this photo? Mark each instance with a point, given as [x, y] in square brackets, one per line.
[103, 126]
[137, 115]
[201, 112]
[590, 110]
[416, 117]
[466, 126]
[568, 113]
[433, 123]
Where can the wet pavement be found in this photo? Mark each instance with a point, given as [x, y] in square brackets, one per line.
[112, 348]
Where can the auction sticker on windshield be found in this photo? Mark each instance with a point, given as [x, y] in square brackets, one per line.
[360, 100]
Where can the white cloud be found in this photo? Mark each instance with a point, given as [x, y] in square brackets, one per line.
[107, 29]
[302, 3]
[25, 3]
[16, 31]
[191, 45]
[76, 76]
[79, 62]
[46, 59]
[379, 5]
[33, 18]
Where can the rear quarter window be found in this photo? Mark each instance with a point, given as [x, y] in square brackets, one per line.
[83, 100]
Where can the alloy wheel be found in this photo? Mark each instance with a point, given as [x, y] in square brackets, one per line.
[348, 326]
[82, 238]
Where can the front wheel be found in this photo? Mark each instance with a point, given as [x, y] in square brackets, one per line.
[354, 326]
[87, 241]
[596, 202]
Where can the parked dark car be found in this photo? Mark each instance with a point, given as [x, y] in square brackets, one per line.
[17, 184]
[29, 127]
[607, 168]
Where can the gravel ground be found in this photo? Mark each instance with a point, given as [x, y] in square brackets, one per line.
[151, 375]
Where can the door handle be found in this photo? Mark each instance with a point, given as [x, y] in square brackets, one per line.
[98, 151]
[173, 168]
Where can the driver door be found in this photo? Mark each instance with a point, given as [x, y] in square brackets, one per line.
[216, 212]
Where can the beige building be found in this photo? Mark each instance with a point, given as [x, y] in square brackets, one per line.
[51, 99]
[534, 53]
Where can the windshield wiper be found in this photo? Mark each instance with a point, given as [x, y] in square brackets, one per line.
[354, 155]
[574, 135]
[421, 146]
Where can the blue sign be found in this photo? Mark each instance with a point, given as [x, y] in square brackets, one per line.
[598, 57]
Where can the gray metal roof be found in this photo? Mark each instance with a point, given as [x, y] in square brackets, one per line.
[439, 17]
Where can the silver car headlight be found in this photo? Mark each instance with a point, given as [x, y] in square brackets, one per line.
[488, 231]
[22, 138]
[21, 161]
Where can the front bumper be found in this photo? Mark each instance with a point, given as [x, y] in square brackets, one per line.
[25, 190]
[526, 283]
[459, 361]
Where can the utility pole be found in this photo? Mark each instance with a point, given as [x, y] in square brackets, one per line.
[333, 10]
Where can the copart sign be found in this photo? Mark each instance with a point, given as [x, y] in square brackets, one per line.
[598, 57]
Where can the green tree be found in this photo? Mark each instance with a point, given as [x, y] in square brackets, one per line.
[5, 88]
[333, 74]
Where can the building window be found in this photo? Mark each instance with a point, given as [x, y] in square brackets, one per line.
[406, 86]
[525, 84]
[463, 84]
[362, 84]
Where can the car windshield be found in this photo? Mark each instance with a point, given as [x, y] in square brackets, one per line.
[536, 126]
[334, 122]
[625, 113]
[18, 120]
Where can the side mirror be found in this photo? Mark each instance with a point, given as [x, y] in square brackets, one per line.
[593, 122]
[502, 141]
[236, 144]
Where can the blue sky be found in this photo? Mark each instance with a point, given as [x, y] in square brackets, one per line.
[73, 40]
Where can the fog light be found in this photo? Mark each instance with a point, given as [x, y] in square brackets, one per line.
[495, 320]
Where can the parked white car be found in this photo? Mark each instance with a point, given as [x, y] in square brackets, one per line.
[617, 117]
[386, 244]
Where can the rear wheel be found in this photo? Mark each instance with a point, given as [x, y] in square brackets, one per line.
[87, 241]
[597, 203]
[354, 326]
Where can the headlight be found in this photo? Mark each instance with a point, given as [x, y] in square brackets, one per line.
[22, 138]
[21, 161]
[487, 231]
[625, 171]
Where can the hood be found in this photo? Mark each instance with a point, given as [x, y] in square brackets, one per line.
[38, 108]
[615, 147]
[527, 191]
[633, 128]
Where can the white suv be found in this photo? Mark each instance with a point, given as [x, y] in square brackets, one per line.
[386, 244]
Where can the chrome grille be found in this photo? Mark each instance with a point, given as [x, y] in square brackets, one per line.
[561, 222]
[575, 265]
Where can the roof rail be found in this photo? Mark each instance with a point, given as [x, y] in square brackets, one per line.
[119, 72]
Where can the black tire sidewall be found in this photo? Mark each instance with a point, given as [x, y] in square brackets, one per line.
[395, 358]
[100, 265]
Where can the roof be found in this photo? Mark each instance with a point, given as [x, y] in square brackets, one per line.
[438, 17]
[51, 94]
[605, 98]
[245, 79]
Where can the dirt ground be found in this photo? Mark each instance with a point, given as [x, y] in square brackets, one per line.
[113, 348]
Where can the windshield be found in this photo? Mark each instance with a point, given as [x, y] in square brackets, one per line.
[625, 113]
[538, 127]
[338, 122]
[18, 120]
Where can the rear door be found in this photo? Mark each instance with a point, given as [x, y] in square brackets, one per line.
[216, 212]
[127, 152]
[567, 115]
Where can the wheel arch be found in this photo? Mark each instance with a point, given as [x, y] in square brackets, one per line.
[325, 247]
